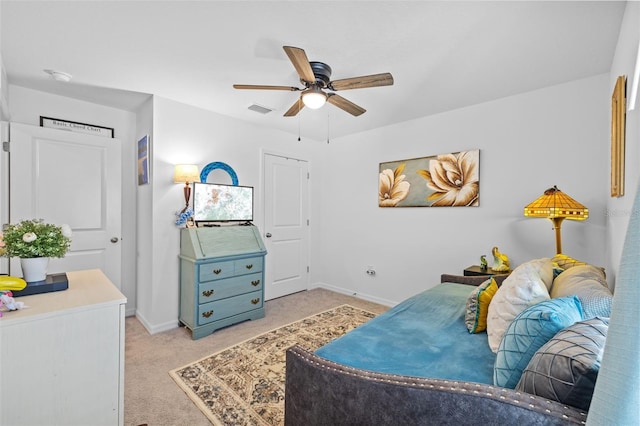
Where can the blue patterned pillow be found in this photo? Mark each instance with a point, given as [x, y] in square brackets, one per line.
[531, 329]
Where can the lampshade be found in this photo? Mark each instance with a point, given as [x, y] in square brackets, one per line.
[555, 203]
[314, 98]
[185, 173]
[556, 206]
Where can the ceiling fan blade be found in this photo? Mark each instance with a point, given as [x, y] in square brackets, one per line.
[375, 80]
[299, 59]
[345, 105]
[295, 108]
[260, 87]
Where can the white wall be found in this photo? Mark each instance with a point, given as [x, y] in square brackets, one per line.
[144, 225]
[528, 143]
[27, 105]
[619, 210]
[186, 134]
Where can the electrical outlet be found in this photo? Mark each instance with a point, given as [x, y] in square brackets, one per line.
[370, 271]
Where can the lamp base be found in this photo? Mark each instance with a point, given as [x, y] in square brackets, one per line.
[557, 222]
[187, 196]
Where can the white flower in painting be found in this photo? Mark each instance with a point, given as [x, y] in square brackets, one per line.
[392, 187]
[29, 237]
[66, 230]
[454, 179]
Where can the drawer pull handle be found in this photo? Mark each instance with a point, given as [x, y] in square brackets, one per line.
[207, 314]
[255, 301]
[255, 283]
[249, 266]
[207, 293]
[217, 271]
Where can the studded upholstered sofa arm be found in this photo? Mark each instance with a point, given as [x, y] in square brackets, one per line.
[322, 392]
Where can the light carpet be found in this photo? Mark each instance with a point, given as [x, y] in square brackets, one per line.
[244, 384]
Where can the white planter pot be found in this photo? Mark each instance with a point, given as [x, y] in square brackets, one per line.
[34, 268]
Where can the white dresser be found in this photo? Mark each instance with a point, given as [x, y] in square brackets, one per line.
[62, 359]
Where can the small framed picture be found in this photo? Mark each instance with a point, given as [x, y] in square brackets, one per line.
[618, 118]
[143, 160]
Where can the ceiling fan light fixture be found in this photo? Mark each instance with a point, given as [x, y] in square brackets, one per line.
[314, 98]
[316, 76]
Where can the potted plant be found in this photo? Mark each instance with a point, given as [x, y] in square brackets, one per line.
[34, 242]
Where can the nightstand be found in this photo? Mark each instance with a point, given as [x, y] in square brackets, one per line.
[475, 270]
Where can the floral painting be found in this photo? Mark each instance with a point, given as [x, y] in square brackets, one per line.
[446, 180]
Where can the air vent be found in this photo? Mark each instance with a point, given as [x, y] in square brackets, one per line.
[259, 108]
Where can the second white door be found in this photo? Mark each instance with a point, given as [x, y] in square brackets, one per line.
[286, 230]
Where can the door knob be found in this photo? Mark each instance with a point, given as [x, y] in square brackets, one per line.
[114, 240]
[268, 235]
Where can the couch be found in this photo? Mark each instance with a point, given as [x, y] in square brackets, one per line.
[429, 360]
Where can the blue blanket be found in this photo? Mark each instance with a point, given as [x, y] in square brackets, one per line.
[424, 336]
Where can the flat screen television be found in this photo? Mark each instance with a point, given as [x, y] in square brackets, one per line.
[213, 202]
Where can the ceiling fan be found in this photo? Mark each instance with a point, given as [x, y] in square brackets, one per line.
[316, 78]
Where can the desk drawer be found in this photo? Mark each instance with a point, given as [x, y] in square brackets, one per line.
[216, 270]
[249, 265]
[221, 289]
[219, 270]
[221, 309]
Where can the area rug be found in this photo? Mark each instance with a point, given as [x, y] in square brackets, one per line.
[244, 384]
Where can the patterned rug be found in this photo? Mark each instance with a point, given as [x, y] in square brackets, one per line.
[244, 384]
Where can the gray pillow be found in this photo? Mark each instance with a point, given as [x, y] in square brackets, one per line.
[566, 367]
[588, 282]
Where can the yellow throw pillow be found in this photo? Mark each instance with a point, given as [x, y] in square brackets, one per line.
[478, 306]
[566, 262]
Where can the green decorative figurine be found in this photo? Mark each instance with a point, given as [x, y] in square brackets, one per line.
[483, 262]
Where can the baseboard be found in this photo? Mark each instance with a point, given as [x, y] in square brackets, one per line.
[154, 329]
[350, 292]
[170, 325]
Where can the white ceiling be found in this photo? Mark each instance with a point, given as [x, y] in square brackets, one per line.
[443, 54]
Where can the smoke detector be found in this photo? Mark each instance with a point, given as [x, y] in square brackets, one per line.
[59, 75]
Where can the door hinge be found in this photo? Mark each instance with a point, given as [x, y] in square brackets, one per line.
[307, 222]
[5, 146]
[307, 269]
[307, 175]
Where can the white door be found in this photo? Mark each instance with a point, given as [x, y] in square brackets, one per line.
[69, 178]
[286, 225]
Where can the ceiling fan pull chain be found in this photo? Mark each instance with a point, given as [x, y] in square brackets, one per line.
[299, 100]
[328, 125]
